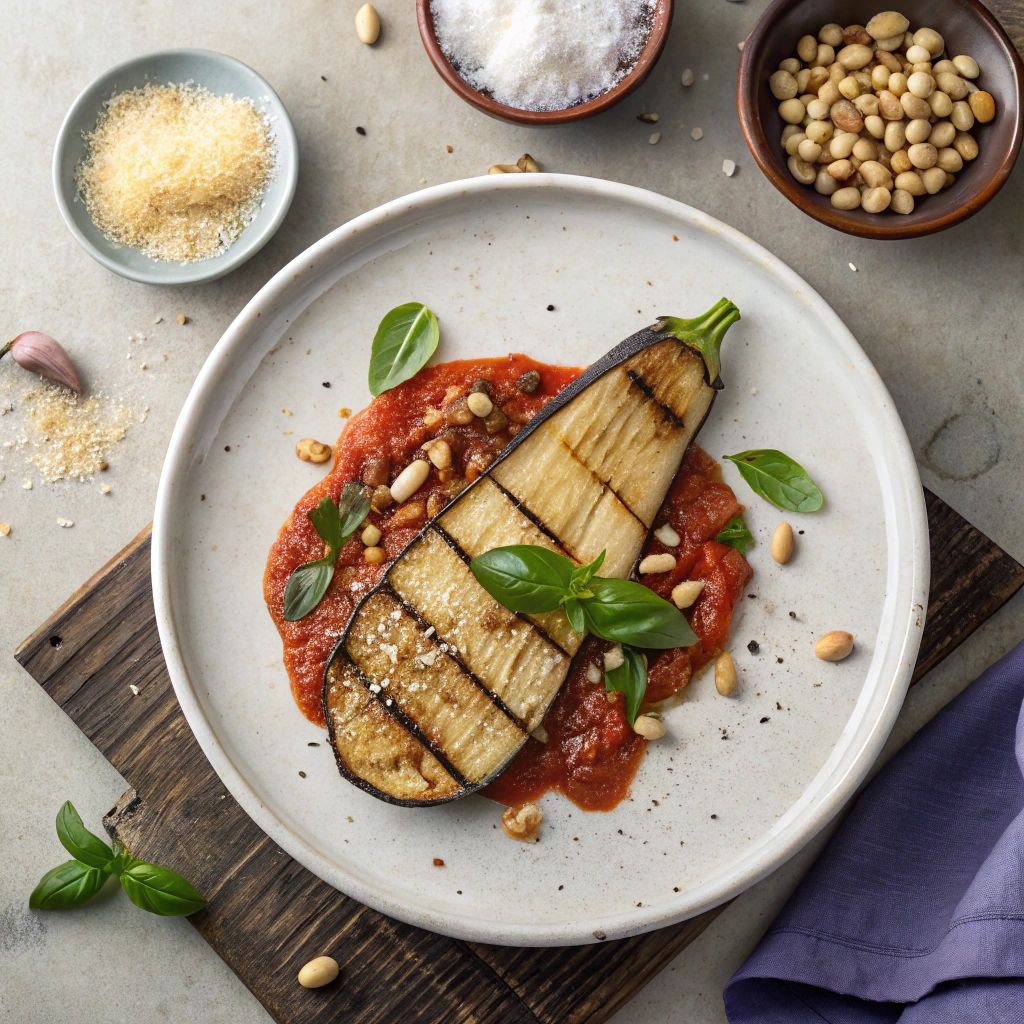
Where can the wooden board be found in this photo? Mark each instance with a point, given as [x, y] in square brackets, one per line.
[268, 915]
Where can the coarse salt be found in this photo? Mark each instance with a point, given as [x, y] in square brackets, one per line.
[542, 54]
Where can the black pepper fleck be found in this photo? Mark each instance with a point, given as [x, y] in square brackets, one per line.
[227, 447]
[458, 892]
[360, 130]
[801, 532]
[302, 775]
[675, 888]
[561, 887]
[765, 719]
[754, 647]
[323, 78]
[202, 497]
[326, 384]
[714, 815]
[551, 308]
[792, 615]
[313, 744]
[753, 597]
[778, 706]
[778, 660]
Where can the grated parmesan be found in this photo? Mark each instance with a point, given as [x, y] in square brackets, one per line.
[175, 171]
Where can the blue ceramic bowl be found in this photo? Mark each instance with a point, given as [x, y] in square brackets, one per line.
[219, 74]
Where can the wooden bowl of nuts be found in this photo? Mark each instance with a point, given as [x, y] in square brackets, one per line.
[537, 68]
[899, 124]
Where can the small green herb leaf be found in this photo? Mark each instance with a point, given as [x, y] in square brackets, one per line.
[79, 841]
[405, 340]
[778, 479]
[574, 613]
[353, 508]
[335, 524]
[736, 535]
[582, 575]
[630, 678]
[525, 578]
[160, 890]
[306, 586]
[629, 613]
[69, 885]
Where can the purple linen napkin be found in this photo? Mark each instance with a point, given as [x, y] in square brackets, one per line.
[915, 911]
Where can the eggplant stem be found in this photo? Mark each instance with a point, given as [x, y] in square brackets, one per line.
[704, 334]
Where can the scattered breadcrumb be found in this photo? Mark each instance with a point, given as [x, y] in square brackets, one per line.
[344, 412]
[134, 689]
[697, 134]
[4, 530]
[655, 138]
[687, 78]
[65, 524]
[104, 488]
[70, 435]
[26, 485]
[728, 168]
[853, 268]
[159, 320]
[181, 318]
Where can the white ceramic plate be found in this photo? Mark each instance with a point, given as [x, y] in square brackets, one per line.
[708, 816]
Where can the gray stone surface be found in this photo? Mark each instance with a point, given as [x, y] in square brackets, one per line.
[939, 317]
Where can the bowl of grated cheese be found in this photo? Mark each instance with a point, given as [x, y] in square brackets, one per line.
[175, 167]
[542, 62]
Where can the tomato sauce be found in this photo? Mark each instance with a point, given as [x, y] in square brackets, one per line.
[591, 754]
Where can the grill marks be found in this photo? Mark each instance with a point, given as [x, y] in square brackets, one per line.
[433, 656]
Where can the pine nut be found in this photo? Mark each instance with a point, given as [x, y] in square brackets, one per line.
[965, 145]
[371, 536]
[613, 658]
[374, 555]
[649, 727]
[667, 536]
[367, 24]
[902, 202]
[411, 479]
[319, 972]
[782, 543]
[311, 450]
[657, 563]
[930, 40]
[440, 454]
[886, 25]
[685, 593]
[522, 822]
[967, 66]
[834, 646]
[725, 674]
[982, 105]
[479, 404]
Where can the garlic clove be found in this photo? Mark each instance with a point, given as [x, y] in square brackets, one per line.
[39, 353]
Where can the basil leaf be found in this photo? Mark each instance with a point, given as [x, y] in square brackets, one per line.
[583, 574]
[629, 613]
[160, 890]
[574, 613]
[630, 678]
[327, 522]
[79, 841]
[778, 479]
[405, 340]
[306, 586]
[524, 578]
[353, 508]
[736, 535]
[69, 885]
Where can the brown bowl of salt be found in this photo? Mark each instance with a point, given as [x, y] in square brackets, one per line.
[534, 62]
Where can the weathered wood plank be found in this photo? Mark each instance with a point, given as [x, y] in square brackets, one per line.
[268, 915]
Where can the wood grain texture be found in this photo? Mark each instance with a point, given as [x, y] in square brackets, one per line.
[268, 915]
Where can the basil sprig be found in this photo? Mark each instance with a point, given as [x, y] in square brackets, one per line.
[406, 338]
[736, 535]
[335, 524]
[630, 679]
[75, 882]
[778, 479]
[533, 580]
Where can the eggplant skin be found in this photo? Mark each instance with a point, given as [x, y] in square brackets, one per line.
[433, 688]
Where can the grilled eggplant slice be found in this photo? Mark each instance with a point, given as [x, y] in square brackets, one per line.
[434, 687]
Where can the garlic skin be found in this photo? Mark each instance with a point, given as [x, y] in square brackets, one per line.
[39, 353]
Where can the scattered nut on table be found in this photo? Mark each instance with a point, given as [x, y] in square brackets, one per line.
[782, 543]
[834, 645]
[319, 972]
[367, 24]
[870, 110]
[649, 726]
[725, 674]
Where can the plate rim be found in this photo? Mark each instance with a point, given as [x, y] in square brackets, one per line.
[796, 826]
